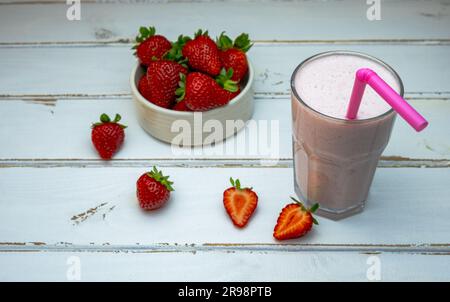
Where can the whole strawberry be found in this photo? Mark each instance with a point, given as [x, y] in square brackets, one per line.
[230, 95]
[201, 92]
[144, 87]
[107, 136]
[163, 77]
[153, 189]
[149, 46]
[294, 221]
[180, 106]
[230, 88]
[202, 54]
[232, 54]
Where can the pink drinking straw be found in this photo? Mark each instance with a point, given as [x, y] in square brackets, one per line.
[367, 76]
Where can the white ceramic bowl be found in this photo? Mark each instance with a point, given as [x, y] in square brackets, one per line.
[193, 128]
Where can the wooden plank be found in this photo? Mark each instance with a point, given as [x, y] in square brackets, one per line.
[67, 130]
[59, 129]
[223, 267]
[97, 207]
[98, 71]
[274, 20]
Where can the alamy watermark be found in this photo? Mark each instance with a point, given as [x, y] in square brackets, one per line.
[73, 12]
[73, 272]
[374, 11]
[373, 272]
[256, 139]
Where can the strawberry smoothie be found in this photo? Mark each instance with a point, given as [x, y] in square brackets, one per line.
[335, 158]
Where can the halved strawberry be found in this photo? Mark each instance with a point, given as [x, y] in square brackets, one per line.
[294, 221]
[240, 203]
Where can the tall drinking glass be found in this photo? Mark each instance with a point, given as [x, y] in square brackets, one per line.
[335, 158]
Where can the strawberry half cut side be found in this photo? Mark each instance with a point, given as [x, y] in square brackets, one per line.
[240, 203]
[294, 221]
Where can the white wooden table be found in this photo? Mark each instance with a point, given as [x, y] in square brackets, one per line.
[57, 76]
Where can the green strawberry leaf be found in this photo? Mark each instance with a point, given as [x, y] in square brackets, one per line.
[159, 177]
[144, 34]
[224, 42]
[180, 92]
[175, 53]
[314, 208]
[224, 80]
[144, 31]
[104, 118]
[200, 32]
[299, 203]
[242, 42]
[237, 184]
[117, 118]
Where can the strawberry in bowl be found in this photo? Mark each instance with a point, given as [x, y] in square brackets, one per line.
[198, 81]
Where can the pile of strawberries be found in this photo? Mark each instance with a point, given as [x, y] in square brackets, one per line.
[191, 74]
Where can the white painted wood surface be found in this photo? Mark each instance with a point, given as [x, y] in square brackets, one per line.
[220, 266]
[98, 71]
[49, 200]
[57, 76]
[64, 125]
[270, 20]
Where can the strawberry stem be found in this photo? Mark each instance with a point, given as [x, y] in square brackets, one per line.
[117, 118]
[175, 53]
[237, 184]
[224, 42]
[180, 92]
[242, 42]
[312, 209]
[225, 81]
[200, 32]
[299, 203]
[144, 34]
[104, 119]
[159, 177]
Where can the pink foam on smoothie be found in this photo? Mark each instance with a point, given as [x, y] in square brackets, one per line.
[325, 84]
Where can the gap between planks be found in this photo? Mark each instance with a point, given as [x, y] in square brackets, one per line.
[385, 162]
[429, 249]
[36, 98]
[120, 42]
